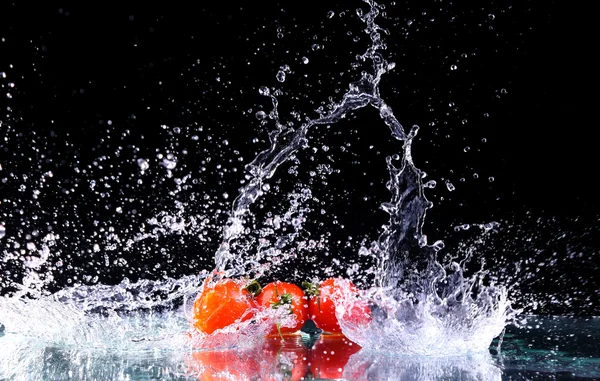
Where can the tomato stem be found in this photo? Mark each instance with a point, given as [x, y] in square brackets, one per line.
[254, 288]
[310, 289]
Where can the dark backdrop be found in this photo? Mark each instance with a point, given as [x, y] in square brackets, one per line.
[87, 91]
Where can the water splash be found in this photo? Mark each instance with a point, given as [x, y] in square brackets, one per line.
[420, 304]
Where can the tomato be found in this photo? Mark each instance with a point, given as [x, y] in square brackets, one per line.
[330, 355]
[223, 365]
[322, 305]
[285, 295]
[222, 303]
[288, 358]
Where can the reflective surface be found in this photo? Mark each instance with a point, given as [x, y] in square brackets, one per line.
[543, 348]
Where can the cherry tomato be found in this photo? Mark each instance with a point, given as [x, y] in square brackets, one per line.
[285, 295]
[222, 303]
[322, 305]
[330, 355]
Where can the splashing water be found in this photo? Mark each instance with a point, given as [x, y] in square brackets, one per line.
[420, 305]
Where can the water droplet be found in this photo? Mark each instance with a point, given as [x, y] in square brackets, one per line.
[450, 186]
[467, 149]
[453, 67]
[143, 164]
[483, 140]
[491, 16]
[462, 227]
[491, 179]
[430, 184]
[330, 14]
[264, 90]
[169, 162]
[2, 231]
[260, 115]
[281, 76]
[315, 47]
[304, 60]
[475, 176]
[225, 196]
[503, 91]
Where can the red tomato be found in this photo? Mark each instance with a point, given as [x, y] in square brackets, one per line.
[288, 358]
[330, 355]
[222, 303]
[322, 305]
[285, 295]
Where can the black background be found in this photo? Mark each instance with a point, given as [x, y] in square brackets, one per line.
[523, 82]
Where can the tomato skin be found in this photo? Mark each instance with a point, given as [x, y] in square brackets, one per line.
[272, 296]
[330, 355]
[322, 307]
[222, 303]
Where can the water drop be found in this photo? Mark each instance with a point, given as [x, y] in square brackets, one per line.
[467, 149]
[453, 67]
[281, 76]
[225, 196]
[264, 90]
[430, 184]
[491, 179]
[304, 60]
[143, 164]
[450, 186]
[491, 16]
[2, 231]
[315, 47]
[330, 14]
[483, 140]
[475, 176]
[169, 163]
[260, 115]
[462, 227]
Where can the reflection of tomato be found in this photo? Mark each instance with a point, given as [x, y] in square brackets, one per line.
[223, 365]
[285, 295]
[222, 303]
[322, 306]
[330, 355]
[288, 358]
